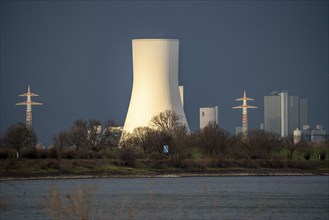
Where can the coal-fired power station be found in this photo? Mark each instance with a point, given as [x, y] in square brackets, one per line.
[155, 82]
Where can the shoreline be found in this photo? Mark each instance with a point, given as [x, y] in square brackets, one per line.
[11, 170]
[168, 175]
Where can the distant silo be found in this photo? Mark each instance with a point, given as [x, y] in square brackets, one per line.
[207, 115]
[297, 136]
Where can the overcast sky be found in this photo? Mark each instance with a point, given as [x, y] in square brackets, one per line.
[77, 56]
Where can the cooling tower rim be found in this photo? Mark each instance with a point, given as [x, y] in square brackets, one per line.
[155, 39]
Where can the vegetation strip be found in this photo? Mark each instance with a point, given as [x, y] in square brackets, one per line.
[12, 169]
[91, 149]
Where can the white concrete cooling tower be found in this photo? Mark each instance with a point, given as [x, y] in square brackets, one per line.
[155, 82]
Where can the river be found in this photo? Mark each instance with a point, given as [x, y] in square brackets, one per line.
[249, 197]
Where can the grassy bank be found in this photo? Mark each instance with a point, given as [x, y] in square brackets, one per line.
[39, 168]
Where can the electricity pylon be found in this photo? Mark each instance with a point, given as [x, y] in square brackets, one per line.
[244, 107]
[28, 104]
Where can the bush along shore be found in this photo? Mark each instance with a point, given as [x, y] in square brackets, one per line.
[100, 168]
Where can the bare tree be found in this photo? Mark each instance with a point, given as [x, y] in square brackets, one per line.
[168, 129]
[60, 141]
[166, 122]
[269, 144]
[142, 138]
[253, 143]
[99, 136]
[213, 140]
[19, 136]
[181, 143]
[77, 135]
[91, 135]
[288, 143]
[208, 138]
[114, 133]
[236, 149]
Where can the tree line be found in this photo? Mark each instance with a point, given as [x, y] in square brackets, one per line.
[94, 139]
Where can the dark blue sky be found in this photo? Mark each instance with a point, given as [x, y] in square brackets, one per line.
[77, 56]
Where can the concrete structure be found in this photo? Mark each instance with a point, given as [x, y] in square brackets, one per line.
[318, 134]
[303, 112]
[297, 136]
[293, 113]
[261, 126]
[272, 113]
[306, 133]
[238, 130]
[283, 114]
[244, 107]
[207, 115]
[155, 82]
[29, 104]
[181, 93]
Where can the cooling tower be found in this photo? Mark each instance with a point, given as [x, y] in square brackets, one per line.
[155, 82]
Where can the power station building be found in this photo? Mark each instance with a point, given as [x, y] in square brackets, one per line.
[155, 82]
[283, 114]
[207, 115]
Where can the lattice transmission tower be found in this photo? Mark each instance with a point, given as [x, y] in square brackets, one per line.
[244, 107]
[28, 104]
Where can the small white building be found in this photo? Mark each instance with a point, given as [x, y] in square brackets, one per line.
[297, 136]
[207, 115]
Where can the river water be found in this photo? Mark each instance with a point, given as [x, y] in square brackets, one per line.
[284, 197]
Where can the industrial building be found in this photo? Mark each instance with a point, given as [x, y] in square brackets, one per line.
[155, 82]
[207, 115]
[310, 135]
[283, 114]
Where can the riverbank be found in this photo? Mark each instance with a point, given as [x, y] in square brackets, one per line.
[80, 169]
[159, 176]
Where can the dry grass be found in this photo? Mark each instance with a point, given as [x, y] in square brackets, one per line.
[76, 204]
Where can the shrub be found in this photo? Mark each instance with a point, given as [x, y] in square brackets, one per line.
[10, 164]
[41, 153]
[322, 155]
[86, 154]
[6, 153]
[275, 164]
[200, 164]
[69, 154]
[30, 153]
[158, 164]
[49, 163]
[65, 166]
[108, 154]
[300, 164]
[128, 157]
[179, 163]
[228, 163]
[155, 156]
[307, 155]
[53, 153]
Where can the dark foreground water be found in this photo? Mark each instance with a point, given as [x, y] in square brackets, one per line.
[304, 197]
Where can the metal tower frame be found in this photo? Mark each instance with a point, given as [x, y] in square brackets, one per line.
[29, 104]
[244, 107]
